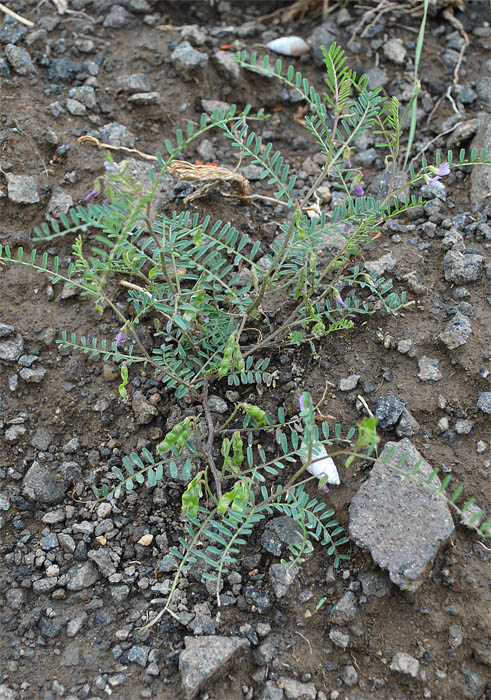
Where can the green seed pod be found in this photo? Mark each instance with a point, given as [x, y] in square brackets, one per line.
[237, 447]
[256, 413]
[225, 449]
[227, 361]
[178, 435]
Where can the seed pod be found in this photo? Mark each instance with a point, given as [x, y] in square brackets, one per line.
[228, 354]
[177, 436]
[237, 447]
[256, 413]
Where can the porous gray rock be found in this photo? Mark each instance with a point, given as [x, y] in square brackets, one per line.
[138, 654]
[144, 411]
[294, 690]
[428, 369]
[11, 343]
[376, 584]
[281, 531]
[456, 332]
[395, 51]
[484, 401]
[7, 693]
[338, 637]
[210, 106]
[404, 663]
[388, 409]
[345, 609]
[207, 658]
[282, 577]
[19, 59]
[322, 36]
[11, 31]
[145, 98]
[104, 561]
[462, 268]
[75, 107]
[186, 58]
[377, 78]
[398, 519]
[349, 383]
[85, 94]
[59, 203]
[136, 82]
[71, 655]
[63, 70]
[481, 174]
[380, 185]
[81, 576]
[117, 17]
[407, 425]
[116, 135]
[40, 484]
[22, 189]
[226, 66]
[32, 376]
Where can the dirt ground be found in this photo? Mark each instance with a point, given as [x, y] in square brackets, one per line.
[445, 624]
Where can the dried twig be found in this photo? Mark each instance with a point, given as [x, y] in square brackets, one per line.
[13, 14]
[443, 133]
[448, 14]
[211, 436]
[95, 142]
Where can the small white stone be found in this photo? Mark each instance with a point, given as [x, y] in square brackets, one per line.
[289, 46]
[146, 540]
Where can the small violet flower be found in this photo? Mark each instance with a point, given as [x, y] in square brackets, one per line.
[442, 170]
[301, 402]
[339, 300]
[92, 194]
[109, 166]
[120, 338]
[347, 162]
[358, 190]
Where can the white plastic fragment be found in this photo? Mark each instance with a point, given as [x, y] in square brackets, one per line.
[321, 464]
[289, 46]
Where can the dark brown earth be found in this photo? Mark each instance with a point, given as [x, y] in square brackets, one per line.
[456, 591]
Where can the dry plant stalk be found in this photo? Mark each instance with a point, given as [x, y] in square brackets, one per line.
[19, 18]
[209, 177]
[62, 6]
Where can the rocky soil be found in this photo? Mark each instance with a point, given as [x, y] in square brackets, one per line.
[407, 616]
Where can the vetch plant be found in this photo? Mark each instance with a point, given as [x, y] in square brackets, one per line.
[204, 289]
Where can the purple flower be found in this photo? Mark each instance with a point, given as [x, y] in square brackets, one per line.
[338, 299]
[442, 170]
[91, 195]
[301, 402]
[347, 228]
[120, 338]
[325, 489]
[335, 220]
[358, 190]
[109, 166]
[347, 162]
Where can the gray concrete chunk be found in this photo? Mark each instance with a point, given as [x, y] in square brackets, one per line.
[205, 659]
[398, 520]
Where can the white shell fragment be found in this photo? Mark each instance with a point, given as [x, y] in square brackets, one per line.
[289, 46]
[322, 464]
